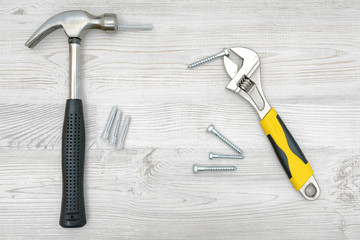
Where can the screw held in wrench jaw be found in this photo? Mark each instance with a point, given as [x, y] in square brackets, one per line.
[224, 52]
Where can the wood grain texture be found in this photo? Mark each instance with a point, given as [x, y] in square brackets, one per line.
[310, 52]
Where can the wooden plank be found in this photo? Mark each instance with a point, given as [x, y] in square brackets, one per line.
[310, 74]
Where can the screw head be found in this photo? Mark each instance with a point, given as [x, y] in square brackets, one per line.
[226, 51]
[211, 155]
[210, 128]
[195, 168]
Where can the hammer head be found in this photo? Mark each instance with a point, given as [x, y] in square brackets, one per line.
[75, 24]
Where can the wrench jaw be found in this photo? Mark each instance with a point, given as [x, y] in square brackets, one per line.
[246, 80]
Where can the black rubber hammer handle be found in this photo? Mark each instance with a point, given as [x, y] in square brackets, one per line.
[73, 153]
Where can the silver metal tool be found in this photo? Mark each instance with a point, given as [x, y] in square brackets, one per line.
[75, 24]
[224, 52]
[109, 123]
[123, 133]
[211, 129]
[212, 156]
[245, 81]
[250, 89]
[115, 127]
[197, 168]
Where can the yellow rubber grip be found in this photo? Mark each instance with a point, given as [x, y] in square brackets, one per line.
[288, 151]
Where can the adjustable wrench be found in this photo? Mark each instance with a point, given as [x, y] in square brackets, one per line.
[245, 81]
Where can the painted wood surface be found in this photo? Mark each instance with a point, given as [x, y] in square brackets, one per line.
[310, 52]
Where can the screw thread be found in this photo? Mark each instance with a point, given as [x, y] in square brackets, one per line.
[220, 54]
[202, 61]
[225, 140]
[227, 156]
[219, 168]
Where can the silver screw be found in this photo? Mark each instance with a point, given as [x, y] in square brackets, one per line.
[212, 129]
[135, 27]
[197, 168]
[212, 155]
[224, 52]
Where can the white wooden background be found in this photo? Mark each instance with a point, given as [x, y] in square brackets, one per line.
[310, 53]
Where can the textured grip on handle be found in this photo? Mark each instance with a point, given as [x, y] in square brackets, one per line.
[288, 151]
[73, 153]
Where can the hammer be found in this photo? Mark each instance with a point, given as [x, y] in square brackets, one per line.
[75, 24]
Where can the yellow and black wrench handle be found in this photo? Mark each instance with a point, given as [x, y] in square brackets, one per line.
[287, 150]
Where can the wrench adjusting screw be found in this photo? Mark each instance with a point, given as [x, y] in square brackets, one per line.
[212, 129]
[197, 168]
[224, 52]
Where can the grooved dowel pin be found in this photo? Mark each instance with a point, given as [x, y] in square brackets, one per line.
[109, 123]
[123, 132]
[115, 128]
